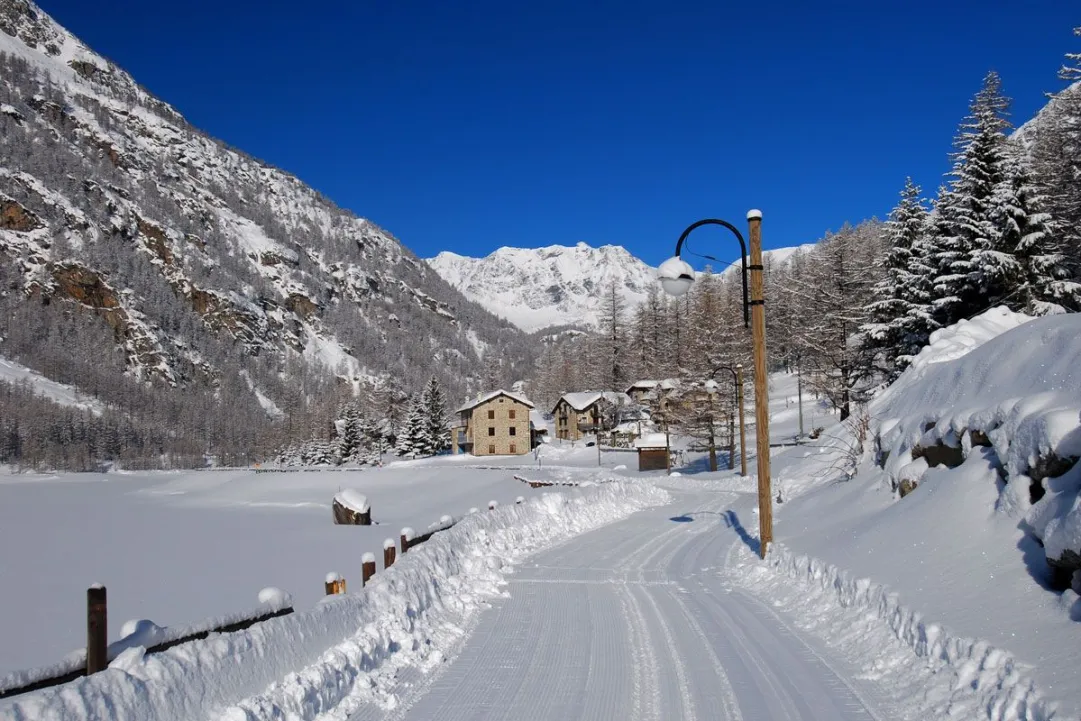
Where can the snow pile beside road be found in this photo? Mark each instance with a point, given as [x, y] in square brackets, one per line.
[348, 648]
[956, 677]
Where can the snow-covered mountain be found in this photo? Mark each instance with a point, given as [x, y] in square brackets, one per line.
[537, 288]
[560, 285]
[133, 246]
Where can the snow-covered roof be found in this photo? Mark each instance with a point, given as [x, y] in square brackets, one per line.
[484, 398]
[651, 440]
[537, 419]
[669, 384]
[643, 385]
[582, 400]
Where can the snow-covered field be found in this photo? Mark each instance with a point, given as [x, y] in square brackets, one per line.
[178, 547]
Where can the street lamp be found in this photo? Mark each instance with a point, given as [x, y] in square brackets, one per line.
[737, 381]
[676, 277]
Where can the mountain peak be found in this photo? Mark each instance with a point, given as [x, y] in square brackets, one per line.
[555, 285]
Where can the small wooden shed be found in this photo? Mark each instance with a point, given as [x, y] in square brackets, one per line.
[652, 452]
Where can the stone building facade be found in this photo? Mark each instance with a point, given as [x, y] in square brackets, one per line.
[495, 424]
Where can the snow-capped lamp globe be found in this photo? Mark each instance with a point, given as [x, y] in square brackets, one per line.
[676, 276]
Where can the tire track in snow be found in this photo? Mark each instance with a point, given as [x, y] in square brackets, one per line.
[648, 697]
[685, 701]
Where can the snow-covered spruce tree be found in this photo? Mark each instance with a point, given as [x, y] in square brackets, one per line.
[966, 213]
[1025, 269]
[437, 436]
[1056, 160]
[889, 337]
[349, 442]
[410, 436]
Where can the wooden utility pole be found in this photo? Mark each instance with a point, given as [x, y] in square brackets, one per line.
[731, 440]
[97, 630]
[761, 382]
[742, 426]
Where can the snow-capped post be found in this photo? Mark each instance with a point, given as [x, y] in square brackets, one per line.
[367, 568]
[519, 500]
[407, 536]
[388, 553]
[351, 508]
[97, 629]
[761, 384]
[492, 505]
[335, 584]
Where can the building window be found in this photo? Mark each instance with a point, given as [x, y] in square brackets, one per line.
[513, 431]
[510, 414]
[491, 449]
[513, 448]
[491, 431]
[491, 414]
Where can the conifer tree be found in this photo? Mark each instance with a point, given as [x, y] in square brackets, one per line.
[1025, 269]
[966, 213]
[411, 434]
[349, 441]
[890, 334]
[436, 436]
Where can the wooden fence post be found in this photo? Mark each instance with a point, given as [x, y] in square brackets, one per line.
[492, 505]
[367, 568]
[519, 500]
[388, 553]
[407, 536]
[335, 584]
[97, 630]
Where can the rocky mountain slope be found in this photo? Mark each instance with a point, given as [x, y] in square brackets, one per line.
[136, 252]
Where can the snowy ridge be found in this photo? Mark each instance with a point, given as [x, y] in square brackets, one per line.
[542, 287]
[959, 677]
[347, 649]
[536, 288]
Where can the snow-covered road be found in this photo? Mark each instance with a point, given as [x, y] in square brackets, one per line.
[637, 621]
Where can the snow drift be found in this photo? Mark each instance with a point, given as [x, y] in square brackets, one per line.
[348, 647]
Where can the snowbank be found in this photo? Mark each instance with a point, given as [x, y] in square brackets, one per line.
[348, 648]
[1017, 382]
[1021, 387]
[956, 678]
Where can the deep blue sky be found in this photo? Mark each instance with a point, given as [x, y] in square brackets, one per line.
[467, 126]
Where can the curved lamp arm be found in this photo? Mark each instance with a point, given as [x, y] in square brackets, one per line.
[743, 258]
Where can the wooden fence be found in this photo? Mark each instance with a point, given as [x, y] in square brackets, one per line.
[99, 654]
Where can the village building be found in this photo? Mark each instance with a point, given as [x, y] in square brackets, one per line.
[494, 424]
[579, 414]
[639, 392]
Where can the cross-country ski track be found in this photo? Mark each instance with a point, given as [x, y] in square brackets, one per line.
[639, 620]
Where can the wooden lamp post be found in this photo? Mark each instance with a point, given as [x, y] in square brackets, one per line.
[676, 277]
